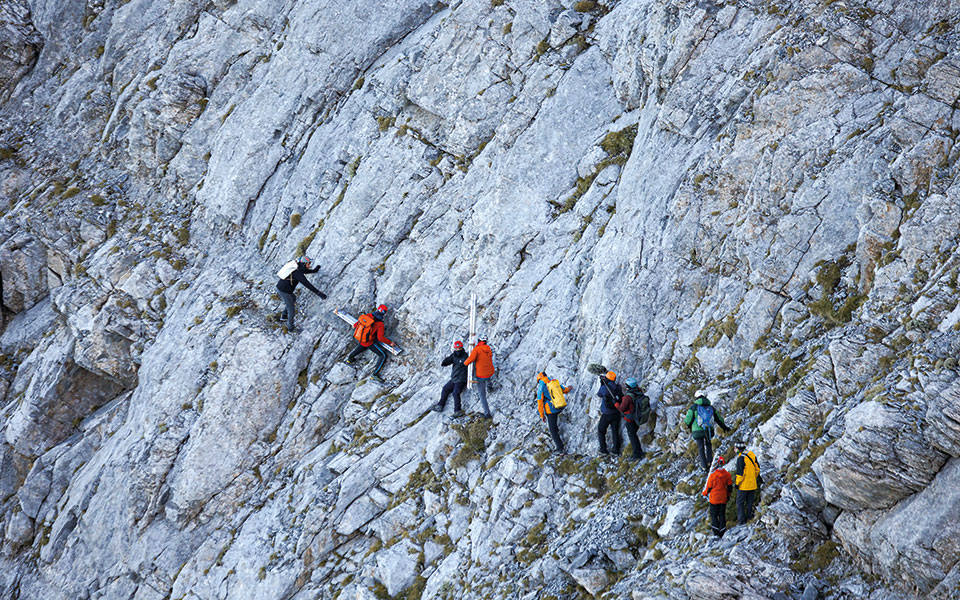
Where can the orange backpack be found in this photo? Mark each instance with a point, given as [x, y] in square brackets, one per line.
[364, 331]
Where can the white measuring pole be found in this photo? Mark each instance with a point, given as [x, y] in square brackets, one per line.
[472, 340]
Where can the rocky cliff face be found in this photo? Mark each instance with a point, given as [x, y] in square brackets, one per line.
[758, 199]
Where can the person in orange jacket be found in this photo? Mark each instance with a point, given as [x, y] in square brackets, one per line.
[481, 357]
[371, 338]
[719, 486]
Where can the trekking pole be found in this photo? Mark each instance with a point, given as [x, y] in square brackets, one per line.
[472, 339]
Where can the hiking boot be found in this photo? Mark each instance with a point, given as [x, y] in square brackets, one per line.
[488, 416]
[457, 414]
[376, 378]
[348, 361]
[436, 408]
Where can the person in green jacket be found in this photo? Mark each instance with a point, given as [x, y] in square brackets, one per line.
[699, 420]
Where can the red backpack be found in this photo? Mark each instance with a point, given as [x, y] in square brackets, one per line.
[364, 331]
[626, 407]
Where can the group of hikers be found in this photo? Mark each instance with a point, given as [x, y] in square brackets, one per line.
[720, 485]
[481, 357]
[627, 403]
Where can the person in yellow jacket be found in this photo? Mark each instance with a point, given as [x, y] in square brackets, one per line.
[747, 479]
[550, 403]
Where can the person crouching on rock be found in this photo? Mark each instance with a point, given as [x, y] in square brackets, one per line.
[368, 331]
[719, 486]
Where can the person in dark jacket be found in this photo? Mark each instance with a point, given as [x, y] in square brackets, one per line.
[458, 379]
[699, 420]
[375, 343]
[635, 408]
[610, 394]
[286, 286]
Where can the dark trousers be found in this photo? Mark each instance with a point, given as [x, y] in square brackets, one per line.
[705, 447]
[287, 313]
[632, 428]
[745, 505]
[555, 428]
[612, 419]
[455, 388]
[377, 349]
[718, 519]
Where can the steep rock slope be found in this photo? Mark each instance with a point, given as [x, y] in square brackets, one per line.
[758, 199]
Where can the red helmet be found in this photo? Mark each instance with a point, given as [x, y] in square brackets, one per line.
[720, 460]
[458, 345]
[382, 308]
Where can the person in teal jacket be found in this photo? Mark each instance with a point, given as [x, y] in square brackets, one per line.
[699, 420]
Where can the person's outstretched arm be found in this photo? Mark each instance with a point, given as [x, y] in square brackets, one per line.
[302, 279]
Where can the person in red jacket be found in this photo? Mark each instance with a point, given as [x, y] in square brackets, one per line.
[481, 357]
[719, 486]
[370, 337]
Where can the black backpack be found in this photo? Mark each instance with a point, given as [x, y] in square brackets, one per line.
[642, 409]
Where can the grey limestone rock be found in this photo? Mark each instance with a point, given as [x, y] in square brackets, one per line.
[881, 459]
[23, 262]
[20, 44]
[916, 540]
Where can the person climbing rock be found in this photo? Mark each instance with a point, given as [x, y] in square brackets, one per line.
[610, 394]
[634, 407]
[748, 481]
[291, 274]
[481, 357]
[550, 403]
[458, 379]
[699, 420]
[719, 486]
[368, 331]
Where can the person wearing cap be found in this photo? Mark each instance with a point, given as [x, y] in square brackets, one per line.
[458, 379]
[481, 357]
[291, 276]
[634, 406]
[717, 491]
[372, 339]
[551, 404]
[610, 394]
[699, 420]
[748, 481]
